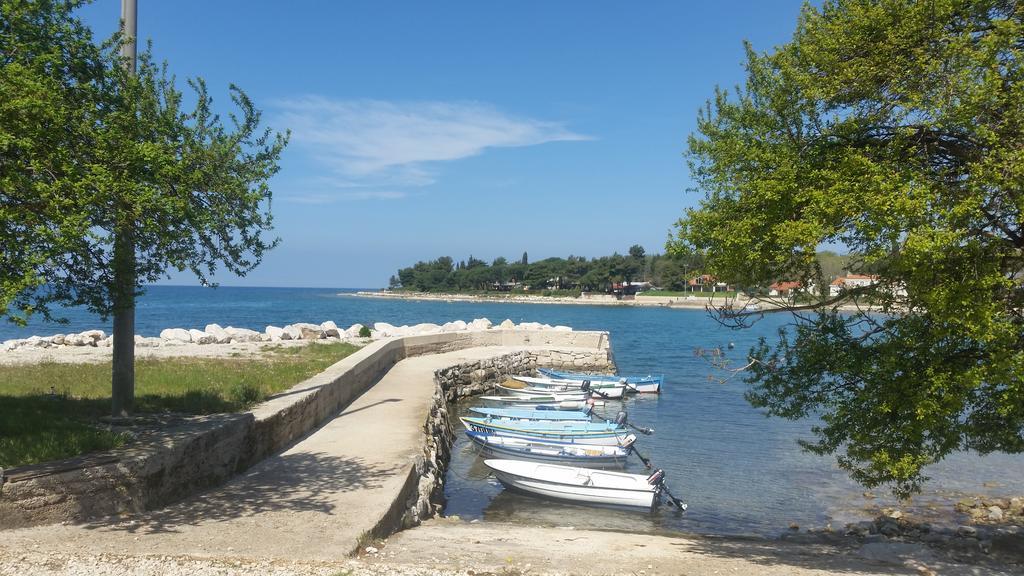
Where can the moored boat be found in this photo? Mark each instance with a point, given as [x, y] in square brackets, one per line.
[570, 401]
[587, 455]
[604, 433]
[579, 484]
[521, 388]
[528, 414]
[644, 384]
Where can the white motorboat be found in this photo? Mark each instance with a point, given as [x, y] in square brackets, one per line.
[579, 484]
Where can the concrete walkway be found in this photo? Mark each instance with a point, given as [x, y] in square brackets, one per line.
[312, 502]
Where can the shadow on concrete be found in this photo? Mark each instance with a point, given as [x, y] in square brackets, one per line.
[368, 406]
[303, 482]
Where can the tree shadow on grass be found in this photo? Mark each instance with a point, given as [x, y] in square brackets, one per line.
[302, 482]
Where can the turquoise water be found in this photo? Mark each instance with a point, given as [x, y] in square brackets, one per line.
[740, 472]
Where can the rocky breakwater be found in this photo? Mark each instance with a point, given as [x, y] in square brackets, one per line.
[301, 331]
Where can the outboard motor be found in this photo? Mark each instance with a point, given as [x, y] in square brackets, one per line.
[656, 478]
[620, 418]
[585, 386]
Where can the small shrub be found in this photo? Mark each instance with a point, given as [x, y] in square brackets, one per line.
[364, 332]
[245, 394]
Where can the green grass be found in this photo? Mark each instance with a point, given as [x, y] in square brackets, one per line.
[50, 411]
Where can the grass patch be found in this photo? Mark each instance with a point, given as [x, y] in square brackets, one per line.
[50, 411]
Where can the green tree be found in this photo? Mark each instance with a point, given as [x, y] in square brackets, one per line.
[106, 182]
[895, 128]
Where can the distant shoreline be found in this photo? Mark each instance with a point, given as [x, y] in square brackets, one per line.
[692, 302]
[674, 302]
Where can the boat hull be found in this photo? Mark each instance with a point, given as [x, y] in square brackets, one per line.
[527, 414]
[612, 437]
[574, 484]
[586, 455]
[643, 384]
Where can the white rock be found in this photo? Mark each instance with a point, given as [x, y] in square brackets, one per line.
[264, 337]
[424, 328]
[76, 340]
[11, 344]
[479, 324]
[96, 335]
[507, 325]
[143, 342]
[106, 342]
[353, 331]
[384, 329]
[277, 334]
[529, 326]
[292, 332]
[330, 329]
[242, 334]
[57, 339]
[175, 335]
[995, 513]
[309, 331]
[562, 329]
[219, 333]
[200, 337]
[456, 326]
[36, 342]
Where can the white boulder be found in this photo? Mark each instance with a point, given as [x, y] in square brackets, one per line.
[217, 332]
[76, 340]
[330, 329]
[384, 330]
[200, 337]
[36, 342]
[424, 328]
[57, 339]
[293, 332]
[309, 331]
[277, 334]
[479, 324]
[175, 335]
[11, 344]
[353, 331]
[507, 325]
[561, 328]
[242, 334]
[95, 335]
[529, 326]
[106, 342]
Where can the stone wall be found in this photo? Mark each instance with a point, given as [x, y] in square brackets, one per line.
[168, 464]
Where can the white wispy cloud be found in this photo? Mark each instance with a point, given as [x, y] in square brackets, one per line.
[372, 143]
[332, 197]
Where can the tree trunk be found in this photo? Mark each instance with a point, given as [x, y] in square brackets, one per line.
[123, 294]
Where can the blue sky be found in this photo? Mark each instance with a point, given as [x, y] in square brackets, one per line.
[424, 129]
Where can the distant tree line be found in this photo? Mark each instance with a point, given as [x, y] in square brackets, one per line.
[574, 273]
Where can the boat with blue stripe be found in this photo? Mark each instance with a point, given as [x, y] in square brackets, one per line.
[587, 455]
[650, 383]
[526, 414]
[604, 433]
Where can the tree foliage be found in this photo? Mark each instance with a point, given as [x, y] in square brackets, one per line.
[572, 273]
[895, 128]
[88, 151]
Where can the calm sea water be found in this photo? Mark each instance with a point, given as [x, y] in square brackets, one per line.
[741, 473]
